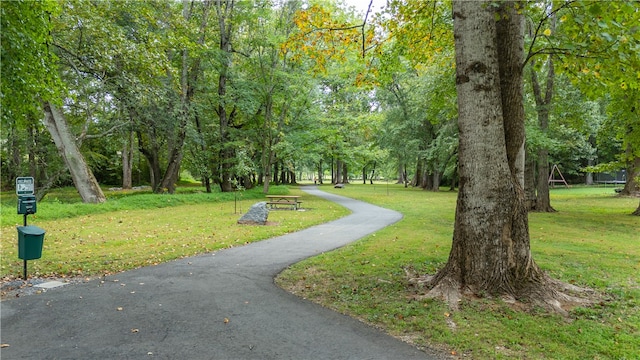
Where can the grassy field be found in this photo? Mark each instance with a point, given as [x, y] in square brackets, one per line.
[134, 229]
[591, 241]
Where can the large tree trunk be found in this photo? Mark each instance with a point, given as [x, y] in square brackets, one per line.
[490, 253]
[82, 176]
[637, 212]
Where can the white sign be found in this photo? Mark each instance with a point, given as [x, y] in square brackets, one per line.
[25, 186]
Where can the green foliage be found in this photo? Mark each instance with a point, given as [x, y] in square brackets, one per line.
[604, 63]
[28, 66]
[421, 31]
[591, 44]
[327, 35]
[305, 85]
[608, 53]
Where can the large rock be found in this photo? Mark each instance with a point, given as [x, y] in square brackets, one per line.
[257, 214]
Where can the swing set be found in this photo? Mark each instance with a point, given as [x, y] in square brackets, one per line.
[552, 178]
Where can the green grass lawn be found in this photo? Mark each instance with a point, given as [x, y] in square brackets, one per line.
[591, 241]
[134, 229]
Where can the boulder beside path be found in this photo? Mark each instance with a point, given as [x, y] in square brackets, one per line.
[257, 214]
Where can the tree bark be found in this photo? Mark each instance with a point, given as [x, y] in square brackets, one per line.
[419, 179]
[127, 162]
[345, 173]
[320, 173]
[543, 107]
[589, 176]
[530, 182]
[637, 212]
[150, 152]
[338, 172]
[401, 173]
[373, 173]
[633, 172]
[268, 154]
[490, 253]
[436, 177]
[83, 178]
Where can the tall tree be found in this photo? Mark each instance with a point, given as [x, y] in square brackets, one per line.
[543, 108]
[27, 76]
[491, 252]
[277, 82]
[189, 73]
[225, 109]
[32, 35]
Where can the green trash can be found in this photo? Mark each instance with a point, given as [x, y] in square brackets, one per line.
[30, 240]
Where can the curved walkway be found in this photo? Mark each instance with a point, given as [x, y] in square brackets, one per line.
[221, 305]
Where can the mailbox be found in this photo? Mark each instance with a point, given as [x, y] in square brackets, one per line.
[27, 204]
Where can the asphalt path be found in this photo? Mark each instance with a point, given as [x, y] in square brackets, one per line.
[221, 305]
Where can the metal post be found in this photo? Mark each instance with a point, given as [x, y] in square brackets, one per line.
[25, 261]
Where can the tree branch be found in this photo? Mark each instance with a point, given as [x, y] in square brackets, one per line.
[106, 132]
[88, 69]
[534, 36]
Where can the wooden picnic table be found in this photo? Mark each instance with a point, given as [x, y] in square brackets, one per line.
[287, 200]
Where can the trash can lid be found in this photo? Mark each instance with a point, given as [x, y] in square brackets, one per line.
[31, 230]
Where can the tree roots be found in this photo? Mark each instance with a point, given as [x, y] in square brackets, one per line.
[553, 295]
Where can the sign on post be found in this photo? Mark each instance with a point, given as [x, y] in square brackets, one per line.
[25, 186]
